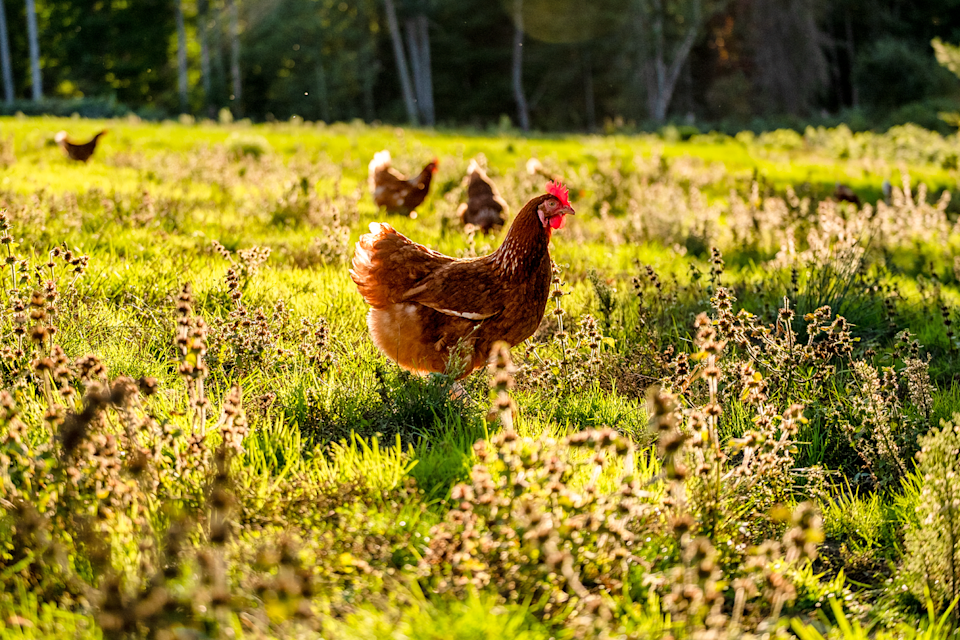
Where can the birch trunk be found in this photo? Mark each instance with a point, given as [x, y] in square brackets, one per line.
[368, 71]
[235, 55]
[203, 27]
[181, 57]
[322, 96]
[413, 49]
[427, 75]
[36, 79]
[408, 99]
[418, 45]
[5, 64]
[667, 75]
[523, 112]
[663, 70]
[219, 79]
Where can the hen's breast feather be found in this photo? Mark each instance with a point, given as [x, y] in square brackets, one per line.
[398, 332]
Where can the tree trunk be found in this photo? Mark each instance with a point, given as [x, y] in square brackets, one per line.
[655, 65]
[408, 99]
[181, 58]
[589, 100]
[837, 85]
[523, 113]
[236, 96]
[322, 95]
[36, 80]
[664, 76]
[369, 67]
[203, 27]
[219, 79]
[413, 49]
[418, 46]
[854, 95]
[427, 96]
[5, 57]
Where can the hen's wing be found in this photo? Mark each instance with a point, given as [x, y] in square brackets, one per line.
[389, 268]
[387, 264]
[392, 190]
[468, 289]
[389, 175]
[384, 180]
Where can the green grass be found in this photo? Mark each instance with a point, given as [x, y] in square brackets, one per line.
[355, 462]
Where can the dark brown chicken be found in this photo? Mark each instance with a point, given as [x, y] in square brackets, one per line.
[484, 208]
[843, 193]
[79, 152]
[425, 304]
[395, 193]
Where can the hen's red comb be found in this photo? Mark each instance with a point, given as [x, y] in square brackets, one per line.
[561, 192]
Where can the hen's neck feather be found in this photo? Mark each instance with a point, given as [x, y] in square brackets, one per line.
[423, 178]
[526, 243]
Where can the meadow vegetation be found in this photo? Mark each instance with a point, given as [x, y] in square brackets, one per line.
[739, 417]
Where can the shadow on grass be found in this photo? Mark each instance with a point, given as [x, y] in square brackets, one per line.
[589, 408]
[417, 412]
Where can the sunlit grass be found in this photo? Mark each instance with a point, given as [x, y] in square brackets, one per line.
[358, 460]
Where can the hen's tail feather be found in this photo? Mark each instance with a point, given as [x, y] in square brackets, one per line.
[381, 162]
[368, 260]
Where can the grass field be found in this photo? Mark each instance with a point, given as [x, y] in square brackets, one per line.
[738, 419]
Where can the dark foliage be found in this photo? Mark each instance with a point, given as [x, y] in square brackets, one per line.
[584, 66]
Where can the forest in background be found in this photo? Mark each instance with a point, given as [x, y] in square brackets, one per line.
[546, 65]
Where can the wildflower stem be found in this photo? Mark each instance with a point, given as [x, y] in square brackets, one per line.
[13, 272]
[561, 335]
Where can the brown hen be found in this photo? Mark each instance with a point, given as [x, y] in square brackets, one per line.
[79, 152]
[484, 208]
[843, 193]
[425, 304]
[395, 193]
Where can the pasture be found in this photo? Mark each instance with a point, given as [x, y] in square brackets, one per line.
[714, 432]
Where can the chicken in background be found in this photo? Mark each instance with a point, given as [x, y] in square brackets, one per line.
[844, 193]
[75, 151]
[535, 168]
[427, 306]
[395, 193]
[484, 208]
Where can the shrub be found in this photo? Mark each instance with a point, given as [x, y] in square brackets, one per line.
[884, 413]
[85, 107]
[932, 559]
[240, 144]
[891, 72]
[566, 524]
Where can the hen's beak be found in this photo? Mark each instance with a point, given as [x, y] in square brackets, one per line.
[556, 220]
[562, 211]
